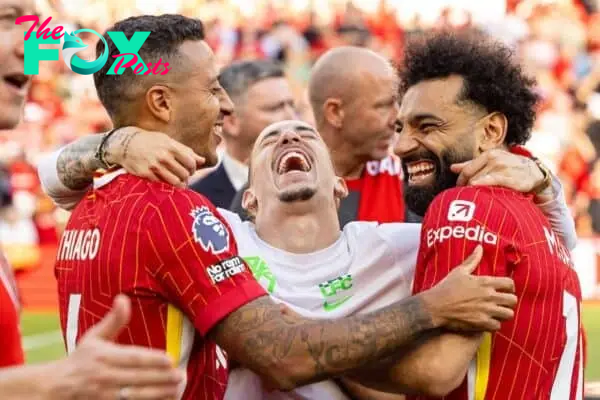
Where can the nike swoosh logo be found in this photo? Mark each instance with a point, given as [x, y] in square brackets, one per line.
[333, 305]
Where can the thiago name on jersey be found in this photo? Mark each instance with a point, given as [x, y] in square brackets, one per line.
[79, 245]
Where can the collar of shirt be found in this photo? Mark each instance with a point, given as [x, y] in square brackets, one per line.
[236, 171]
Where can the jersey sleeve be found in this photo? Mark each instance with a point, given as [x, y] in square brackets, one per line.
[192, 253]
[456, 222]
[61, 195]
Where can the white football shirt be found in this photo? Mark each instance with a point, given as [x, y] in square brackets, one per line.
[369, 267]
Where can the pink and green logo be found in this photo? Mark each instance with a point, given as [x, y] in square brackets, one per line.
[127, 58]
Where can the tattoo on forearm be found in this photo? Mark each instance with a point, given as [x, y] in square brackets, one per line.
[259, 336]
[77, 162]
[125, 143]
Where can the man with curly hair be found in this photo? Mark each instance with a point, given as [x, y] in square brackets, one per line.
[463, 95]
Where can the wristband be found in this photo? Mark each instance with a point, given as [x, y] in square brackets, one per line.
[544, 184]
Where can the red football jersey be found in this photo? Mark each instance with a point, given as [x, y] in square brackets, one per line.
[380, 191]
[169, 250]
[537, 355]
[10, 333]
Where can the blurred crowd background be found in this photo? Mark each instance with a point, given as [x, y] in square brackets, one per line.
[558, 42]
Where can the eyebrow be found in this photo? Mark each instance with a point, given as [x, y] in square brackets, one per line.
[415, 119]
[277, 132]
[21, 11]
[420, 117]
[279, 103]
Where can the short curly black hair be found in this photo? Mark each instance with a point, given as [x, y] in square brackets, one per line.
[492, 78]
[167, 33]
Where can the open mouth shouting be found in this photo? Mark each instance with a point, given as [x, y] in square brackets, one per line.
[293, 160]
[293, 164]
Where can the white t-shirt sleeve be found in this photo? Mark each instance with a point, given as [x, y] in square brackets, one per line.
[559, 215]
[62, 196]
[403, 239]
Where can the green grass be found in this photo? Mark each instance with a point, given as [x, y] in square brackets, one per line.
[42, 340]
[50, 347]
[591, 322]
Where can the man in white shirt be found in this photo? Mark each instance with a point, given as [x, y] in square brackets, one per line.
[262, 96]
[301, 257]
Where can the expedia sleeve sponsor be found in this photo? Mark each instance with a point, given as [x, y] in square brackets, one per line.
[79, 245]
[474, 233]
[226, 269]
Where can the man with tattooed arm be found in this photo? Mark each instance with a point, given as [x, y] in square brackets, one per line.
[172, 253]
[299, 255]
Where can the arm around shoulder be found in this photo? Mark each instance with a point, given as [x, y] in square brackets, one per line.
[437, 367]
[290, 351]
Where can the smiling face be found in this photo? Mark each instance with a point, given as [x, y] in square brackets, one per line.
[15, 84]
[436, 130]
[291, 163]
[200, 103]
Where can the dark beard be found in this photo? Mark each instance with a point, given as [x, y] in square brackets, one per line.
[302, 194]
[418, 198]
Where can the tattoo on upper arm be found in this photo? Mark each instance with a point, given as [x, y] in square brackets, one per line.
[261, 336]
[77, 162]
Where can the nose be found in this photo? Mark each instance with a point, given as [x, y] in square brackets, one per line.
[289, 136]
[225, 103]
[394, 114]
[405, 144]
[18, 42]
[20, 49]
